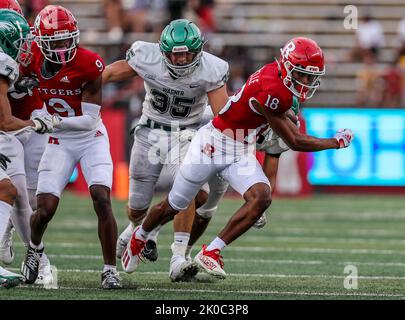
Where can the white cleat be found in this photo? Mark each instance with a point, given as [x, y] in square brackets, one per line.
[6, 247]
[123, 240]
[9, 279]
[182, 269]
[45, 276]
[261, 222]
[211, 262]
[132, 254]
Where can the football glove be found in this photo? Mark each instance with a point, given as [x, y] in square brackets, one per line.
[344, 137]
[56, 120]
[43, 124]
[26, 85]
[3, 161]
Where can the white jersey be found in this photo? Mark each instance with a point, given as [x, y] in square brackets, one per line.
[8, 68]
[175, 102]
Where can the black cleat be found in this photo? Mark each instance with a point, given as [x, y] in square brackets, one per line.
[150, 251]
[110, 279]
[30, 266]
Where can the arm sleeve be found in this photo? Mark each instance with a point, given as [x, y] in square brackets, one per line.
[87, 122]
[135, 54]
[220, 74]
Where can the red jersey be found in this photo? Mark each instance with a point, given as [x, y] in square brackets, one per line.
[240, 117]
[22, 104]
[62, 93]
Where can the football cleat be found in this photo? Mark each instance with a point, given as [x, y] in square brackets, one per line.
[150, 251]
[182, 269]
[110, 279]
[9, 279]
[261, 222]
[6, 247]
[132, 254]
[30, 266]
[45, 276]
[123, 240]
[211, 262]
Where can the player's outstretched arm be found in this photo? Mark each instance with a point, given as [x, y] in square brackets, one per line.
[296, 140]
[7, 121]
[91, 105]
[118, 71]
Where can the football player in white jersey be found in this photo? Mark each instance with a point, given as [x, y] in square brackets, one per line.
[180, 79]
[14, 49]
[26, 151]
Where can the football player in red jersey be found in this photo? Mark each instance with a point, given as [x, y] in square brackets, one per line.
[224, 146]
[70, 85]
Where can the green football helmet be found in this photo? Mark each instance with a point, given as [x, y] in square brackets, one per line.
[15, 36]
[181, 35]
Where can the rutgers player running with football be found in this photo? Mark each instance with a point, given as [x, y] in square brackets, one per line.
[15, 48]
[224, 146]
[70, 85]
[273, 146]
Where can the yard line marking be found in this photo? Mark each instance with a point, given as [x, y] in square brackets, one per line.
[276, 261]
[97, 257]
[260, 292]
[253, 249]
[251, 275]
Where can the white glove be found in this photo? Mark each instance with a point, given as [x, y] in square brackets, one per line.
[344, 137]
[56, 120]
[43, 124]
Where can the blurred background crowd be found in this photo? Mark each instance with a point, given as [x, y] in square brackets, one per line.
[365, 68]
[365, 65]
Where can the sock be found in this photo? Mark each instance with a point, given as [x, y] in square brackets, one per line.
[217, 243]
[141, 234]
[21, 222]
[22, 211]
[180, 243]
[9, 230]
[109, 267]
[5, 211]
[37, 247]
[154, 233]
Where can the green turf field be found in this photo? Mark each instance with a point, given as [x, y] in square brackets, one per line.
[300, 254]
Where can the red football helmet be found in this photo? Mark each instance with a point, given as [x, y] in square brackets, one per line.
[57, 34]
[11, 5]
[302, 64]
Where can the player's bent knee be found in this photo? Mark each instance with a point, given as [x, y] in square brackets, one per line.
[135, 215]
[177, 201]
[102, 205]
[260, 196]
[8, 192]
[201, 198]
[44, 214]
